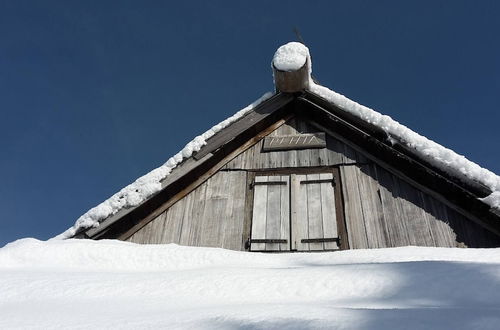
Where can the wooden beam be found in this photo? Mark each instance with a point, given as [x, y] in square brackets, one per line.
[292, 81]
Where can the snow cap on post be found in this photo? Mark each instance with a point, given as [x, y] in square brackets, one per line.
[292, 68]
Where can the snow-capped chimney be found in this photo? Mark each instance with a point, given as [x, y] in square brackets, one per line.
[292, 68]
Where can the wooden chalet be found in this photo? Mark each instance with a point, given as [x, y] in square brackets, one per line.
[297, 173]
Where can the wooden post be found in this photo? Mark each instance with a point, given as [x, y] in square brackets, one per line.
[292, 81]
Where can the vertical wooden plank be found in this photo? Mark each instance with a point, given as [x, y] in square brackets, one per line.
[418, 228]
[441, 231]
[253, 156]
[285, 213]
[352, 208]
[303, 157]
[274, 159]
[394, 219]
[339, 210]
[285, 159]
[232, 226]
[259, 214]
[314, 158]
[143, 236]
[153, 234]
[194, 230]
[273, 214]
[248, 212]
[462, 238]
[188, 220]
[165, 234]
[372, 208]
[441, 214]
[335, 151]
[293, 158]
[216, 199]
[300, 226]
[323, 156]
[314, 215]
[328, 211]
[170, 232]
[303, 215]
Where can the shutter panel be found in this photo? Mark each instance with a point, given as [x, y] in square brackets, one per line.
[314, 222]
[328, 211]
[270, 219]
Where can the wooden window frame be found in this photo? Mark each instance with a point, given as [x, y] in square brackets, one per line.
[339, 202]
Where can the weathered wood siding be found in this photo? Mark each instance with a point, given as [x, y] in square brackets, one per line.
[336, 152]
[271, 212]
[211, 215]
[380, 209]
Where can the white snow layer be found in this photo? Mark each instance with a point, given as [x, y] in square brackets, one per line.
[149, 184]
[291, 57]
[84, 284]
[439, 156]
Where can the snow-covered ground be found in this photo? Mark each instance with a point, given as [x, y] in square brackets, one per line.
[109, 284]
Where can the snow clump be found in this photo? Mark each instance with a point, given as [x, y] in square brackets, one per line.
[291, 57]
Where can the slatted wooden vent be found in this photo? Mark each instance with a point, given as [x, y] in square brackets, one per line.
[297, 141]
[294, 212]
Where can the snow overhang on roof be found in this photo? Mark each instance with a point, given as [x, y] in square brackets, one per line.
[292, 70]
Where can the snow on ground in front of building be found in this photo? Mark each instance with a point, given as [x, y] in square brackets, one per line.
[85, 284]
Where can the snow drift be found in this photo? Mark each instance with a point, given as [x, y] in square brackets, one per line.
[87, 284]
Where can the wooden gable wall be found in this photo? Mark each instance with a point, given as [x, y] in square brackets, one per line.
[380, 209]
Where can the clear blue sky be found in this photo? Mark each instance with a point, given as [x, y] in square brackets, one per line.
[94, 94]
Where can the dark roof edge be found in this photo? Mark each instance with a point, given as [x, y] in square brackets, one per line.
[477, 189]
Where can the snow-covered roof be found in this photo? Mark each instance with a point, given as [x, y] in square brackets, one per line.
[290, 57]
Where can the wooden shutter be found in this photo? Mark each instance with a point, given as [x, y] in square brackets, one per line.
[314, 223]
[271, 214]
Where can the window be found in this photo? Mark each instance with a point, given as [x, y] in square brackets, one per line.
[296, 212]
